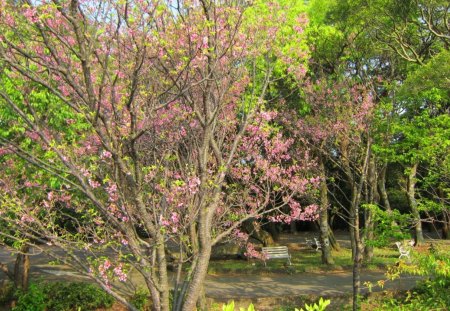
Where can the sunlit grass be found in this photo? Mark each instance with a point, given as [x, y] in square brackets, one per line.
[304, 260]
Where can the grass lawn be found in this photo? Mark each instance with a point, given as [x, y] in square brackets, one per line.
[306, 259]
[303, 260]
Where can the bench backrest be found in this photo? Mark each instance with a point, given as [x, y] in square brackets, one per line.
[401, 249]
[276, 252]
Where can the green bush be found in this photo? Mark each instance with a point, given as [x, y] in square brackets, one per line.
[429, 294]
[31, 300]
[62, 296]
[140, 300]
[73, 296]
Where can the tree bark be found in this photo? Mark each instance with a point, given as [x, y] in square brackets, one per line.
[334, 243]
[327, 258]
[195, 285]
[22, 268]
[410, 193]
[445, 225]
[373, 198]
[353, 214]
[162, 273]
[382, 189]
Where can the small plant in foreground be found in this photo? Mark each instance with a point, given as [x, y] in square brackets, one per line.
[316, 307]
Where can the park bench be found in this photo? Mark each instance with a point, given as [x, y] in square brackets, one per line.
[317, 244]
[276, 252]
[314, 243]
[402, 250]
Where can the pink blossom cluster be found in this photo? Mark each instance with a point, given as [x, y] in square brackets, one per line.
[251, 252]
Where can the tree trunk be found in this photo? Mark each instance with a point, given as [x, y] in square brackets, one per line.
[334, 243]
[323, 218]
[410, 192]
[357, 269]
[195, 286]
[445, 225]
[353, 215]
[200, 267]
[357, 256]
[22, 268]
[373, 198]
[382, 189]
[162, 273]
[369, 226]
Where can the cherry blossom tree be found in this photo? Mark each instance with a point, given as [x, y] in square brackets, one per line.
[340, 127]
[150, 138]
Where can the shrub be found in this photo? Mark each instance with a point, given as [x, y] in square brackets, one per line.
[76, 295]
[140, 300]
[31, 300]
[62, 296]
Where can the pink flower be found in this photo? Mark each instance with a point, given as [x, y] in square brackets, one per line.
[31, 15]
[26, 218]
[93, 183]
[105, 155]
[175, 218]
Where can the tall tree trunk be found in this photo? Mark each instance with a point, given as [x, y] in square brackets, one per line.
[194, 290]
[382, 189]
[359, 244]
[334, 243]
[162, 273]
[410, 193]
[357, 261]
[368, 236]
[22, 268]
[445, 225]
[445, 215]
[200, 269]
[323, 217]
[353, 215]
[373, 198]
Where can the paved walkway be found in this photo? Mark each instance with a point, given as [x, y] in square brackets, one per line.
[279, 285]
[237, 286]
[247, 286]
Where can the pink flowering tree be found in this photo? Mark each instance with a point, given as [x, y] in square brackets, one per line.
[150, 136]
[340, 127]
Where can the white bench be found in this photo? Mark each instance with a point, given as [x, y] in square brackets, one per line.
[317, 244]
[403, 251]
[314, 243]
[276, 252]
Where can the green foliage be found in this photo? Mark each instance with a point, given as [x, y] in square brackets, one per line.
[62, 296]
[140, 300]
[430, 294]
[230, 307]
[33, 299]
[391, 225]
[321, 306]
